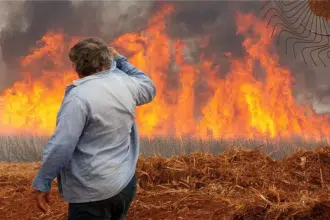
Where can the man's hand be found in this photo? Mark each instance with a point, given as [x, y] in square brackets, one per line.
[43, 198]
[113, 52]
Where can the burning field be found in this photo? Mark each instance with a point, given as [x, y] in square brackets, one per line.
[197, 97]
[238, 184]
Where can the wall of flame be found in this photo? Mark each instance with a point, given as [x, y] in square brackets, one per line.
[237, 105]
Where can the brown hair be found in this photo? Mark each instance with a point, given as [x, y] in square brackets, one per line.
[90, 55]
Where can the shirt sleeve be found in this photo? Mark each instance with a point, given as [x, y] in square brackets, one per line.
[71, 121]
[143, 87]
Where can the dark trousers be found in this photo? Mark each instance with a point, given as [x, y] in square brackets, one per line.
[114, 208]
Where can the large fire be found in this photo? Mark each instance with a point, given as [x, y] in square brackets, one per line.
[237, 105]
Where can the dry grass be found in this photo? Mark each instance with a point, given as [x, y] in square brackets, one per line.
[22, 148]
[237, 184]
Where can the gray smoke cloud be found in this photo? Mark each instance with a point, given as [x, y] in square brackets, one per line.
[12, 18]
[117, 17]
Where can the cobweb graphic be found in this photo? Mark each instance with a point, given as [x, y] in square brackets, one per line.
[302, 26]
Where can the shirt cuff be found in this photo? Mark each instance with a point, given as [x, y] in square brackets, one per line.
[42, 184]
[119, 59]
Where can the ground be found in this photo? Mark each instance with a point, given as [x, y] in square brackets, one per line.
[238, 184]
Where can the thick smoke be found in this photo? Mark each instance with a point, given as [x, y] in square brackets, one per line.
[12, 19]
[117, 17]
[109, 19]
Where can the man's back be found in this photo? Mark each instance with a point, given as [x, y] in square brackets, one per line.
[103, 151]
[93, 143]
[94, 149]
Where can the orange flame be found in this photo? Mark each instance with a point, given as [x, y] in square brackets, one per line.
[237, 105]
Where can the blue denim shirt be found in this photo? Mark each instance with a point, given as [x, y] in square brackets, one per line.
[95, 146]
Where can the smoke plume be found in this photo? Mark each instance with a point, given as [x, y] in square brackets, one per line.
[117, 17]
[12, 19]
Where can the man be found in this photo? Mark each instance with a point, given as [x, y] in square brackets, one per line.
[95, 146]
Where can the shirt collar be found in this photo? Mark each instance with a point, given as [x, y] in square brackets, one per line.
[95, 75]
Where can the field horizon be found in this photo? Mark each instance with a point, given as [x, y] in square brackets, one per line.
[28, 148]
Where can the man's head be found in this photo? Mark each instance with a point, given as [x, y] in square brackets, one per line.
[89, 56]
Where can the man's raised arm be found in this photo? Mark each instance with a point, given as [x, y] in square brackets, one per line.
[144, 87]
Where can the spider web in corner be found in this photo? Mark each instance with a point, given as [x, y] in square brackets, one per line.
[303, 26]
